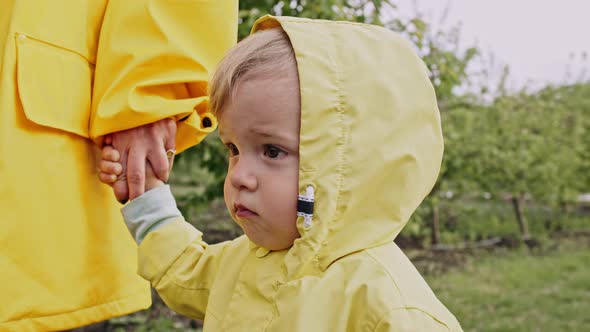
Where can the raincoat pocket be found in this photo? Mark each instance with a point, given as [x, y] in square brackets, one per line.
[54, 85]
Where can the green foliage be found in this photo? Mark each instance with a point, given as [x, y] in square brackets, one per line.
[441, 52]
[199, 174]
[528, 145]
[365, 11]
[533, 146]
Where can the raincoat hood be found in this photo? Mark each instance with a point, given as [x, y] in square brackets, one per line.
[370, 141]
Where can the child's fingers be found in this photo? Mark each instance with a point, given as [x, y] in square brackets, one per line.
[110, 167]
[107, 178]
[109, 153]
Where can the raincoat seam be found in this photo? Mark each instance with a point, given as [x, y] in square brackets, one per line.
[341, 145]
[322, 22]
[170, 274]
[76, 310]
[275, 313]
[386, 272]
[210, 312]
[408, 308]
[315, 258]
[179, 285]
[57, 47]
[175, 282]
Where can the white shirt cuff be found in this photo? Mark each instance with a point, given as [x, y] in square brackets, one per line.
[150, 211]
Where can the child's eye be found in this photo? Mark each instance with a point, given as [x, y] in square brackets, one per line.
[233, 150]
[273, 152]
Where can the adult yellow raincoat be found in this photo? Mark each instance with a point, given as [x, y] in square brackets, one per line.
[70, 72]
[371, 146]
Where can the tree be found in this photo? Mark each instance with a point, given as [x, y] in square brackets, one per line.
[525, 146]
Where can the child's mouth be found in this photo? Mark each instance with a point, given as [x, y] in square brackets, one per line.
[243, 212]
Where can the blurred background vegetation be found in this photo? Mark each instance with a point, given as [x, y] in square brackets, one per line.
[503, 238]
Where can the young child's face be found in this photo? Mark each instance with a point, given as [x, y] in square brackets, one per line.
[260, 127]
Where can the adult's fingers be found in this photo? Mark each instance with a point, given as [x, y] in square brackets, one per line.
[159, 163]
[170, 163]
[108, 140]
[170, 146]
[136, 162]
[170, 143]
[147, 142]
[161, 159]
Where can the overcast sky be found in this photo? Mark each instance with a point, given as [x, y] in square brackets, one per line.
[534, 37]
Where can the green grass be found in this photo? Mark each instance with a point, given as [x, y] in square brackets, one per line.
[520, 291]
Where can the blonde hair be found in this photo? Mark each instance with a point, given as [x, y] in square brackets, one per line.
[267, 52]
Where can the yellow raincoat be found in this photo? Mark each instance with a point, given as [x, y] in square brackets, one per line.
[70, 72]
[371, 146]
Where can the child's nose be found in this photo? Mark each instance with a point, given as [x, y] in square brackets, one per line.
[242, 176]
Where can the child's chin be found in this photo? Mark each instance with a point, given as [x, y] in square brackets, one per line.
[278, 247]
[273, 246]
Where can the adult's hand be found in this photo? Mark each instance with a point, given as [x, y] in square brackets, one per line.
[140, 147]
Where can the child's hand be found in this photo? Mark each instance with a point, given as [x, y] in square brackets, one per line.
[110, 169]
[109, 166]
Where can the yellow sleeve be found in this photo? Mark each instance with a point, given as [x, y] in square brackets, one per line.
[181, 266]
[154, 61]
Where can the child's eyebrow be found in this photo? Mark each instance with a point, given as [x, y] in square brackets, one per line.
[262, 132]
[273, 133]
